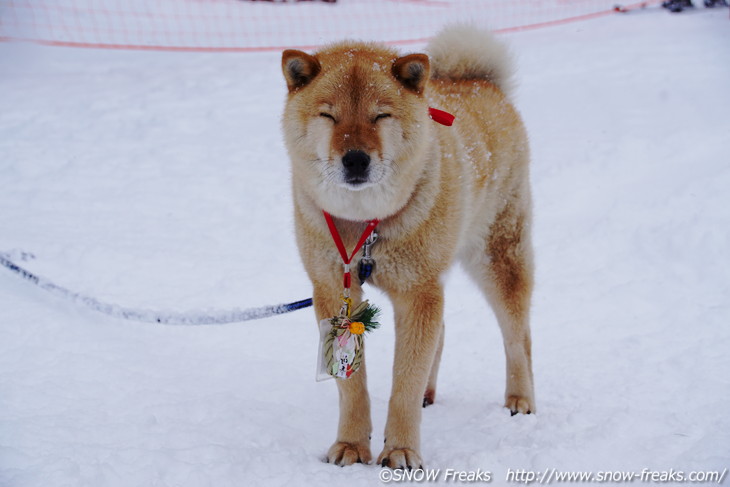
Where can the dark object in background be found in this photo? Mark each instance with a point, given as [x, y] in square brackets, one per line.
[679, 5]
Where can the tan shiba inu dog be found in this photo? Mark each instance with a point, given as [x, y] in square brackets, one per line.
[362, 147]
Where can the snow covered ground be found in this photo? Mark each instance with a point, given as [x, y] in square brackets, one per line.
[159, 180]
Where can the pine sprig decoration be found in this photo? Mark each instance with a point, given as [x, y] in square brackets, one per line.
[366, 314]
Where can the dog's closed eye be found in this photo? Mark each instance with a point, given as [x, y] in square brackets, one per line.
[327, 115]
[381, 116]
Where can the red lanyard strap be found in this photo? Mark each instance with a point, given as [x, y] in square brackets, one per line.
[341, 246]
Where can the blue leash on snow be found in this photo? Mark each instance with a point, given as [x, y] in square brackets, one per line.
[149, 316]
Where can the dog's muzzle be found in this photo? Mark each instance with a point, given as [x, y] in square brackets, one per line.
[357, 166]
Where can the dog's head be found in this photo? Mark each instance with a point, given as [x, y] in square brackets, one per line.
[355, 124]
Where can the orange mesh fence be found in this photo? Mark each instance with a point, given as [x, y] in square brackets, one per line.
[245, 25]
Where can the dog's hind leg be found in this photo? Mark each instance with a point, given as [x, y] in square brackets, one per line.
[430, 395]
[506, 277]
[355, 426]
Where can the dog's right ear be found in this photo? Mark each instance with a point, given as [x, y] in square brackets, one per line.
[299, 68]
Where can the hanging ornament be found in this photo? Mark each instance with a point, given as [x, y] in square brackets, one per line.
[341, 337]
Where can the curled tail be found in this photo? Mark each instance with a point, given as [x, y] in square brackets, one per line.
[462, 51]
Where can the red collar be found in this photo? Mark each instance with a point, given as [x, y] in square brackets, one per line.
[440, 116]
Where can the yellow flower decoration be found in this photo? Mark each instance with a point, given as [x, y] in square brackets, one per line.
[357, 328]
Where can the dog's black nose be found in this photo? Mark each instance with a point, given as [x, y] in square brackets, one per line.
[356, 164]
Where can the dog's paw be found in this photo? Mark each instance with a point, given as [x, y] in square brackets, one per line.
[429, 397]
[344, 454]
[400, 458]
[519, 404]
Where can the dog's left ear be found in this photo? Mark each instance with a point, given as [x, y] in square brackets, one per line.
[412, 71]
[299, 68]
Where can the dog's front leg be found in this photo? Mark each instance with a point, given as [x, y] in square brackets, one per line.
[355, 426]
[418, 319]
